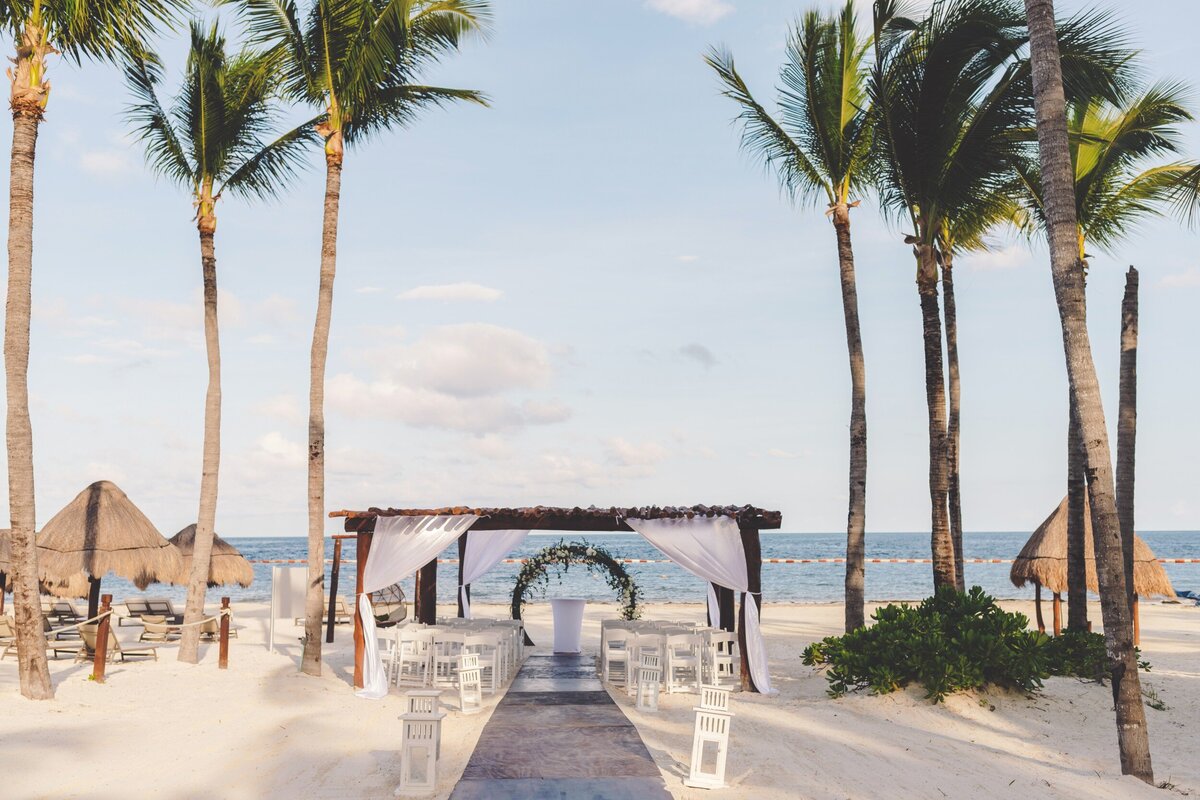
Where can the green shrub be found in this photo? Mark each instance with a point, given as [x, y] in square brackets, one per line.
[952, 642]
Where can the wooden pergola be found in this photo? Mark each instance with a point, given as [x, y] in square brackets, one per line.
[360, 525]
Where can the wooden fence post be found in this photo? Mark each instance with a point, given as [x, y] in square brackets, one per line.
[223, 661]
[333, 590]
[101, 656]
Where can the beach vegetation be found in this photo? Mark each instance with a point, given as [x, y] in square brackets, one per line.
[217, 135]
[818, 146]
[357, 64]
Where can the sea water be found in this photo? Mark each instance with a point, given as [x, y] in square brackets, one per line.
[669, 583]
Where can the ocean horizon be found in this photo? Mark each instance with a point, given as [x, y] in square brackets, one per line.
[666, 582]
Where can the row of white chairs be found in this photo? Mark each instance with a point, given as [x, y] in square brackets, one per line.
[689, 655]
[428, 656]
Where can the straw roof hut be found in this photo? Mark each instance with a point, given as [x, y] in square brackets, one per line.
[226, 566]
[1043, 559]
[99, 532]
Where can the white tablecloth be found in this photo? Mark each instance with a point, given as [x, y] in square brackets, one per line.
[568, 623]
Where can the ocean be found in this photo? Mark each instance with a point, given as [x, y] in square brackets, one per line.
[669, 583]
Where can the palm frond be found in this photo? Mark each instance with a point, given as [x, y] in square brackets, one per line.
[164, 151]
[263, 173]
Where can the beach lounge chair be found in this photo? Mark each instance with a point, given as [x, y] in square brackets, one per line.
[8, 641]
[64, 611]
[155, 628]
[162, 606]
[116, 650]
[343, 612]
[135, 607]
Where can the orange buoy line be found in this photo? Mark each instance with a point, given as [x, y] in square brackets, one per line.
[765, 561]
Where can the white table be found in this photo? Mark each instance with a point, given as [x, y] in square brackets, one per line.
[568, 623]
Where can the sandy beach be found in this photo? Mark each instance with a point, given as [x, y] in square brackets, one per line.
[261, 730]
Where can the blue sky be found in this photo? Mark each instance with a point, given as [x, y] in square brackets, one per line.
[584, 294]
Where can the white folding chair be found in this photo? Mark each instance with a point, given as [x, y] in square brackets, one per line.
[683, 655]
[413, 653]
[447, 647]
[617, 649]
[486, 646]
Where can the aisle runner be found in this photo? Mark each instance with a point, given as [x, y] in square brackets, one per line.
[557, 735]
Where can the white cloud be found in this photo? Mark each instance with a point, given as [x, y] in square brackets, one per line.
[699, 12]
[993, 260]
[87, 358]
[104, 163]
[282, 407]
[275, 310]
[776, 452]
[627, 454]
[1188, 279]
[453, 293]
[368, 290]
[700, 354]
[275, 448]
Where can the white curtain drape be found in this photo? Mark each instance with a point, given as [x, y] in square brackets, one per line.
[400, 546]
[711, 548]
[714, 608]
[484, 550]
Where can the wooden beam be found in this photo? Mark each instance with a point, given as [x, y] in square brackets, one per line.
[93, 597]
[462, 560]
[333, 590]
[363, 550]
[223, 647]
[596, 520]
[728, 605]
[753, 548]
[426, 592]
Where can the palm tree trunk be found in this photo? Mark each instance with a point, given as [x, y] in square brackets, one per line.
[1077, 613]
[1127, 425]
[856, 518]
[189, 645]
[1058, 178]
[953, 494]
[27, 108]
[935, 398]
[311, 663]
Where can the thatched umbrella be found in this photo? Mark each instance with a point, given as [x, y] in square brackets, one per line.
[227, 565]
[99, 532]
[1043, 562]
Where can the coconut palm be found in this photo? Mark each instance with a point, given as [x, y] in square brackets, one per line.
[1062, 225]
[215, 136]
[945, 109]
[356, 63]
[819, 149]
[97, 30]
[1127, 168]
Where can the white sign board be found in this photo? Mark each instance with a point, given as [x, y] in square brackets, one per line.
[288, 588]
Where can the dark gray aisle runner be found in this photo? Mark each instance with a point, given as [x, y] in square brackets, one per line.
[557, 735]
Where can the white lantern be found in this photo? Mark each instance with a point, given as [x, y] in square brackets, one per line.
[710, 739]
[421, 735]
[649, 675]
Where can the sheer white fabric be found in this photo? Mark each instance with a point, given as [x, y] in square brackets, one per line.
[711, 548]
[400, 546]
[714, 608]
[484, 550]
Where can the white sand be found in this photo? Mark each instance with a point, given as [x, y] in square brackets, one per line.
[260, 729]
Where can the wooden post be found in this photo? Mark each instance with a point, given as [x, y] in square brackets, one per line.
[462, 560]
[3, 589]
[223, 660]
[101, 656]
[727, 607]
[93, 596]
[1137, 623]
[333, 590]
[361, 552]
[1037, 605]
[1057, 614]
[426, 591]
[753, 549]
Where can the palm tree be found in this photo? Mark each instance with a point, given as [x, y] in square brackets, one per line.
[214, 137]
[99, 30]
[1120, 178]
[1062, 225]
[354, 62]
[945, 107]
[819, 149]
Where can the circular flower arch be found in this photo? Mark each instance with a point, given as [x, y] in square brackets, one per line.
[535, 574]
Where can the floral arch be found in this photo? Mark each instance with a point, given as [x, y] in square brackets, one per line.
[535, 574]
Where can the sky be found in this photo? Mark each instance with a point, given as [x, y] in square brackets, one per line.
[584, 294]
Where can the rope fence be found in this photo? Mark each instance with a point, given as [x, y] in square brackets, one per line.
[765, 561]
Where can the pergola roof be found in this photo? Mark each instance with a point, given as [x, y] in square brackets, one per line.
[570, 519]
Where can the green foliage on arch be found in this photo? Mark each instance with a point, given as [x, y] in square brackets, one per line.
[535, 574]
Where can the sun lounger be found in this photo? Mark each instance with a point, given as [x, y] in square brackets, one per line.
[343, 613]
[116, 650]
[135, 607]
[156, 629]
[162, 606]
[64, 611]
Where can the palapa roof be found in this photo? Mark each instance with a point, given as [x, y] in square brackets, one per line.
[1043, 559]
[551, 518]
[99, 532]
[226, 565]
